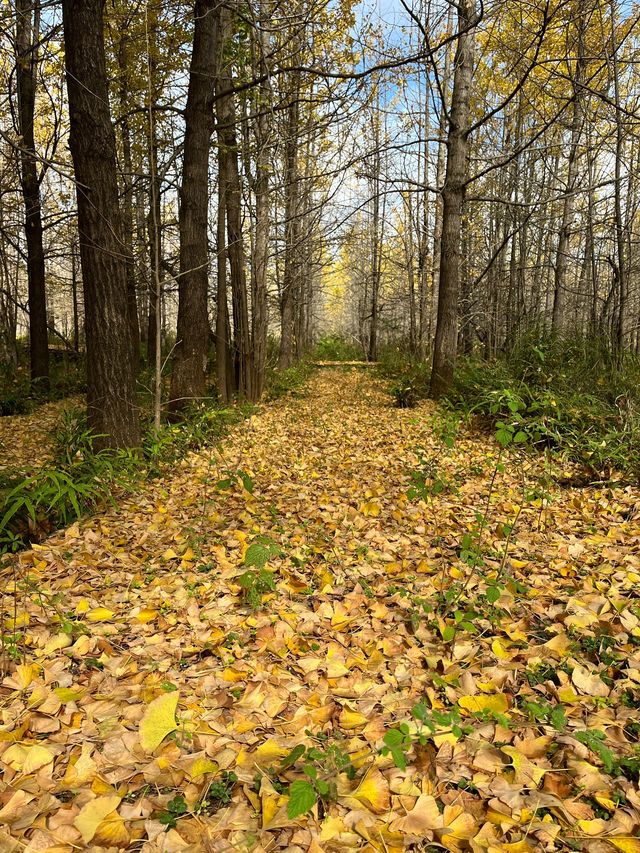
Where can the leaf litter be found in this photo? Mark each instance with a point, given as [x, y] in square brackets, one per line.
[295, 642]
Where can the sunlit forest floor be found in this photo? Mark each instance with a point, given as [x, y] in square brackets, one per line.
[449, 637]
[26, 440]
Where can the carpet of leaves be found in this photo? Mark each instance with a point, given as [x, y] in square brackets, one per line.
[25, 440]
[144, 705]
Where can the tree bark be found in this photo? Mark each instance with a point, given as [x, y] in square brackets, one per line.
[558, 318]
[230, 180]
[27, 37]
[291, 276]
[259, 314]
[453, 191]
[111, 402]
[188, 379]
[127, 194]
[619, 337]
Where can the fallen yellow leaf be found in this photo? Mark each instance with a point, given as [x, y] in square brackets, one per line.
[93, 813]
[158, 721]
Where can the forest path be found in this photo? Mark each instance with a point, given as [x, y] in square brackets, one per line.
[143, 604]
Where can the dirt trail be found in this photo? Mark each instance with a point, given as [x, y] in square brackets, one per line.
[144, 602]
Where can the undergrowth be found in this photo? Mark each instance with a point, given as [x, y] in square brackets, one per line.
[571, 396]
[410, 378]
[19, 395]
[79, 478]
[281, 383]
[335, 348]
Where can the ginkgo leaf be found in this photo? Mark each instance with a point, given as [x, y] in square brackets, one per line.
[146, 615]
[99, 614]
[370, 508]
[625, 843]
[158, 721]
[589, 682]
[27, 758]
[93, 813]
[202, 766]
[423, 817]
[373, 791]
[352, 719]
[497, 702]
[57, 642]
[68, 694]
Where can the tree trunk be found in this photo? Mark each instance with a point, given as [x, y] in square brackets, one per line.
[453, 191]
[27, 39]
[111, 401]
[619, 338]
[223, 345]
[440, 172]
[230, 179]
[127, 195]
[562, 257]
[290, 279]
[259, 315]
[188, 379]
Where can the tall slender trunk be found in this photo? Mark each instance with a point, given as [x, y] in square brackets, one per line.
[441, 164]
[27, 39]
[623, 287]
[188, 379]
[376, 237]
[230, 176]
[127, 194]
[259, 267]
[154, 229]
[291, 275]
[223, 346]
[559, 318]
[453, 191]
[111, 401]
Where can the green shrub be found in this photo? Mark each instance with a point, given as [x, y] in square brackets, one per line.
[410, 377]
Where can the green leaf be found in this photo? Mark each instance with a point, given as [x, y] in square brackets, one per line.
[558, 718]
[493, 594]
[247, 482]
[393, 737]
[449, 633]
[503, 437]
[302, 798]
[257, 555]
[294, 755]
[323, 787]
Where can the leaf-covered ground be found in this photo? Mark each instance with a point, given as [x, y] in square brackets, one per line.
[25, 440]
[445, 695]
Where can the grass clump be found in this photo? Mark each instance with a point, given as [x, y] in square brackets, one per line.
[409, 377]
[19, 395]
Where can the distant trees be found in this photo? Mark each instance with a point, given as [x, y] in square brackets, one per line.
[258, 170]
